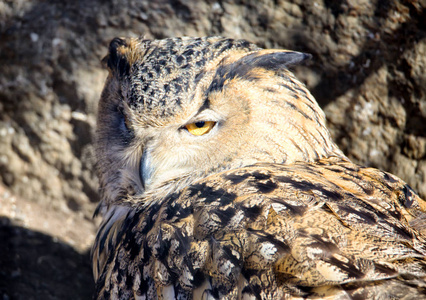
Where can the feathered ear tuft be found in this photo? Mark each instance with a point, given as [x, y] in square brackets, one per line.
[275, 59]
[116, 59]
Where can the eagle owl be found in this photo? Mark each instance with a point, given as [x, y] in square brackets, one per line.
[219, 180]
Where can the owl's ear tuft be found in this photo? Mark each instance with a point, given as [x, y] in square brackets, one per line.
[116, 59]
[275, 59]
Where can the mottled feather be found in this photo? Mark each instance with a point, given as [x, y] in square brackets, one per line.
[265, 206]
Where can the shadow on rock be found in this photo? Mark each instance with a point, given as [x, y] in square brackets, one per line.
[34, 265]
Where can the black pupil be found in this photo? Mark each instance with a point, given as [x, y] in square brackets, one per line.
[200, 124]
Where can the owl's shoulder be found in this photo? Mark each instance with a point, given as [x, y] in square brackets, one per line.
[280, 226]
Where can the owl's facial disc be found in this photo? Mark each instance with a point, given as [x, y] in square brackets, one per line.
[172, 151]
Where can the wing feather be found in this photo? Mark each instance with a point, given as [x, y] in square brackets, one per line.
[327, 229]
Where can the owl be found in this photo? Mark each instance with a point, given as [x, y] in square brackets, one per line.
[219, 180]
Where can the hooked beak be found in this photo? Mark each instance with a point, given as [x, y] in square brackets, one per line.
[145, 169]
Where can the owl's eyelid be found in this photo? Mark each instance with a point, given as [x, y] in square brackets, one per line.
[122, 111]
[199, 121]
[207, 115]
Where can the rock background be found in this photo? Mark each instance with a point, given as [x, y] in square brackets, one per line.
[367, 72]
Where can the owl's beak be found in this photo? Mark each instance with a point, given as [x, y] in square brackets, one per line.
[145, 169]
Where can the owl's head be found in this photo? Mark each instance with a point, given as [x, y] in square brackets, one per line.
[176, 110]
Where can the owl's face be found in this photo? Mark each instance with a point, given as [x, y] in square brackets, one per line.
[176, 110]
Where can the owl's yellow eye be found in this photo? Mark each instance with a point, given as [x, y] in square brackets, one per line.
[200, 128]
